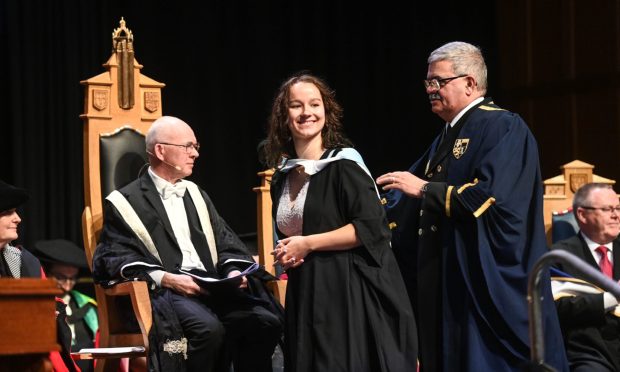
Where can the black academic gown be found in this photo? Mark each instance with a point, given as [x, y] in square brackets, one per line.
[119, 247]
[346, 310]
[590, 333]
[467, 247]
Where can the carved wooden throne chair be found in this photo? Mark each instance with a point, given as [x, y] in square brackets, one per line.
[120, 106]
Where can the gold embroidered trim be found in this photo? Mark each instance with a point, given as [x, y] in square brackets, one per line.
[575, 280]
[490, 201]
[490, 108]
[448, 193]
[460, 190]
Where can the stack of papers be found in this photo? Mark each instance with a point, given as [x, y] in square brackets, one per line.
[221, 284]
[112, 350]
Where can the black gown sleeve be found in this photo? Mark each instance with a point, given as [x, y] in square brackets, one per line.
[583, 310]
[363, 207]
[118, 247]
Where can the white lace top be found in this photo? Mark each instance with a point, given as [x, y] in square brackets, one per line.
[290, 216]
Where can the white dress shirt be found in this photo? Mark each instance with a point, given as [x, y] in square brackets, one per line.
[610, 301]
[463, 111]
[175, 209]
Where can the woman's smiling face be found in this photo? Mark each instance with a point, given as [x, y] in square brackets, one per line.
[306, 111]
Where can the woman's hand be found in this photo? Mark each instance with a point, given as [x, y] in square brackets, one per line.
[290, 252]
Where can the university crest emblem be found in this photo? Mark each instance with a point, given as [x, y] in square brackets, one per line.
[577, 180]
[151, 101]
[100, 99]
[460, 146]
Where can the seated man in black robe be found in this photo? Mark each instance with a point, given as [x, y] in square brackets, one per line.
[590, 320]
[161, 224]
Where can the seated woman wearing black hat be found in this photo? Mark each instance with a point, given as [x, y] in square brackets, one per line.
[14, 262]
[19, 263]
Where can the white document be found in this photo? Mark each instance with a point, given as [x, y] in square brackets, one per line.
[112, 350]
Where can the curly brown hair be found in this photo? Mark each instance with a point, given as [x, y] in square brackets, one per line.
[279, 142]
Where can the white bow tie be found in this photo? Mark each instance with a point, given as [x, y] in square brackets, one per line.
[176, 189]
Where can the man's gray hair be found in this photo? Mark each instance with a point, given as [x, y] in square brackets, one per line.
[466, 59]
[581, 197]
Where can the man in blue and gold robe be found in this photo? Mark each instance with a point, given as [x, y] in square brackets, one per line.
[468, 226]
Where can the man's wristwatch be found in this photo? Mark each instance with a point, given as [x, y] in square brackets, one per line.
[424, 188]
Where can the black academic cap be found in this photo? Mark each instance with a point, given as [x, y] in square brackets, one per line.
[11, 196]
[60, 251]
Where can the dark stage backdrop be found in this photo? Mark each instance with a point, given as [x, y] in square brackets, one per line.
[222, 62]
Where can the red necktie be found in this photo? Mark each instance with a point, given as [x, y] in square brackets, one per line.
[604, 263]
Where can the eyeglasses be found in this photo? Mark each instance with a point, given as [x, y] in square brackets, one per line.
[188, 147]
[437, 84]
[604, 209]
[65, 279]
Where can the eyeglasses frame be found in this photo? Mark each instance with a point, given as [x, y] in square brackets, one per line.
[615, 209]
[195, 146]
[440, 83]
[65, 279]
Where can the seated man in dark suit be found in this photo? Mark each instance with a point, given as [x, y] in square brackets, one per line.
[160, 224]
[590, 323]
